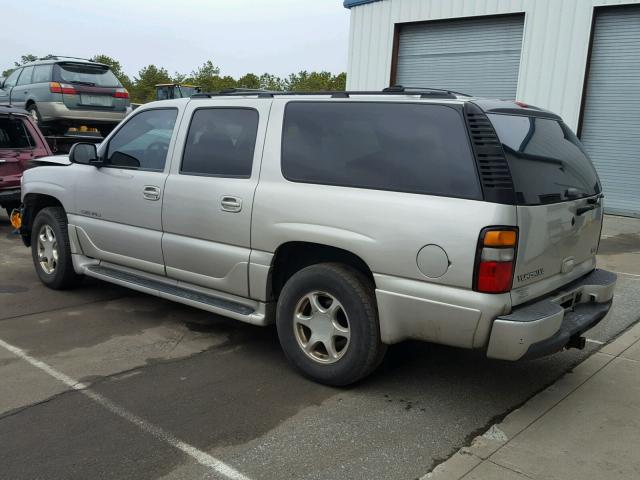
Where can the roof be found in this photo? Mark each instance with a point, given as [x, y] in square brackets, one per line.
[10, 109]
[61, 59]
[355, 3]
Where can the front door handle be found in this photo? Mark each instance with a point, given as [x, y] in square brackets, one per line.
[231, 204]
[151, 192]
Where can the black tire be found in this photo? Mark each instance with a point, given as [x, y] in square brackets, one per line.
[355, 292]
[35, 113]
[62, 276]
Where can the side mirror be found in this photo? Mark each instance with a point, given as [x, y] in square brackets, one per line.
[2, 79]
[85, 154]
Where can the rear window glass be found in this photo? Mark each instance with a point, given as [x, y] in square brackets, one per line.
[405, 147]
[547, 161]
[14, 134]
[87, 74]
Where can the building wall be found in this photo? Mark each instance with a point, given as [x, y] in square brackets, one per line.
[554, 51]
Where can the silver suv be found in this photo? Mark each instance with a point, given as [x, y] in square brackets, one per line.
[63, 92]
[352, 220]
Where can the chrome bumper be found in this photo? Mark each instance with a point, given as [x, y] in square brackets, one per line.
[548, 324]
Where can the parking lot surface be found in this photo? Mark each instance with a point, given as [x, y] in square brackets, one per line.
[102, 382]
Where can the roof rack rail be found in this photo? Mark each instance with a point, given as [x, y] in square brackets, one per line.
[395, 90]
[422, 90]
[59, 57]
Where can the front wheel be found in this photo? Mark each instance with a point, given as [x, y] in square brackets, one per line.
[51, 251]
[327, 324]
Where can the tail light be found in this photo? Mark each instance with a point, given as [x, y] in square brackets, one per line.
[121, 93]
[65, 88]
[495, 260]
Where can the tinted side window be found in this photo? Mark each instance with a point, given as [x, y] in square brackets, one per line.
[25, 76]
[548, 163]
[41, 74]
[143, 142]
[405, 147]
[221, 142]
[12, 79]
[14, 134]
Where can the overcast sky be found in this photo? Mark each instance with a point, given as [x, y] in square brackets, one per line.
[240, 36]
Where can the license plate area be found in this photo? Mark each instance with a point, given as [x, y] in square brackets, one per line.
[96, 100]
[569, 300]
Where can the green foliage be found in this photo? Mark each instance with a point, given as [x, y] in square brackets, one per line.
[116, 68]
[29, 57]
[142, 87]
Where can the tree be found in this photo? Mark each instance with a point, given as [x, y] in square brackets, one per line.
[271, 82]
[315, 81]
[116, 68]
[249, 80]
[144, 85]
[29, 57]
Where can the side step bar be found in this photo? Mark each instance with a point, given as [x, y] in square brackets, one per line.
[204, 301]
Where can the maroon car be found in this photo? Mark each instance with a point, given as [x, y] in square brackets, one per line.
[20, 141]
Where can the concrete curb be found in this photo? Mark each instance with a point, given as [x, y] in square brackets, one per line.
[485, 445]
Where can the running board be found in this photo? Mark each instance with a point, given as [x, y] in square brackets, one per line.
[204, 301]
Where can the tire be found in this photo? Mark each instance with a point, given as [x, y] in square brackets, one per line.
[50, 242]
[351, 326]
[35, 114]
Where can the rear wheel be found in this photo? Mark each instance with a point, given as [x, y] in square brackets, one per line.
[51, 251]
[328, 324]
[35, 114]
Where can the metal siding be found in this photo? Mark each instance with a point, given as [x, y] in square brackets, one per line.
[554, 49]
[479, 56]
[610, 128]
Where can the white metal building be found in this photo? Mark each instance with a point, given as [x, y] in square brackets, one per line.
[578, 58]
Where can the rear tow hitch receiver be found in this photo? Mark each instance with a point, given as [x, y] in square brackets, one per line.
[576, 341]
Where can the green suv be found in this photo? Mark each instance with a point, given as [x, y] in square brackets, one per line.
[63, 92]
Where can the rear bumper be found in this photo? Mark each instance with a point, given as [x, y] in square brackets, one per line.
[56, 111]
[545, 326]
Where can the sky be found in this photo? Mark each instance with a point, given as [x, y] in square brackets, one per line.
[240, 36]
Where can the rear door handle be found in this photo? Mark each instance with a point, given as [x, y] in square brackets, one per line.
[231, 204]
[151, 192]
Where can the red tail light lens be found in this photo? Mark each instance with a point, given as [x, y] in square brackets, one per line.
[55, 87]
[121, 93]
[495, 260]
[494, 277]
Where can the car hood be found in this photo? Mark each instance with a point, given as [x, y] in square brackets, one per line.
[51, 160]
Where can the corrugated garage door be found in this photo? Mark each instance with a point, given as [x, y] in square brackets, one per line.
[479, 56]
[611, 119]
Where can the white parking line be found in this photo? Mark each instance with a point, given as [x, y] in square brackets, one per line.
[629, 274]
[199, 456]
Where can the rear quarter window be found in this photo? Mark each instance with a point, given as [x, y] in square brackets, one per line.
[404, 147]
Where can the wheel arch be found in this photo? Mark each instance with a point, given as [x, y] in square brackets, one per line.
[290, 257]
[32, 204]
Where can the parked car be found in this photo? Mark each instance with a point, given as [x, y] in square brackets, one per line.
[63, 92]
[351, 220]
[20, 142]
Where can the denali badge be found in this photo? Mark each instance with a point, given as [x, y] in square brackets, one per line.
[529, 275]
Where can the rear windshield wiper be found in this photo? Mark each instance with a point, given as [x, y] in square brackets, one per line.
[77, 82]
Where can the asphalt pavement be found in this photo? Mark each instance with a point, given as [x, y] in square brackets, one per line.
[105, 383]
